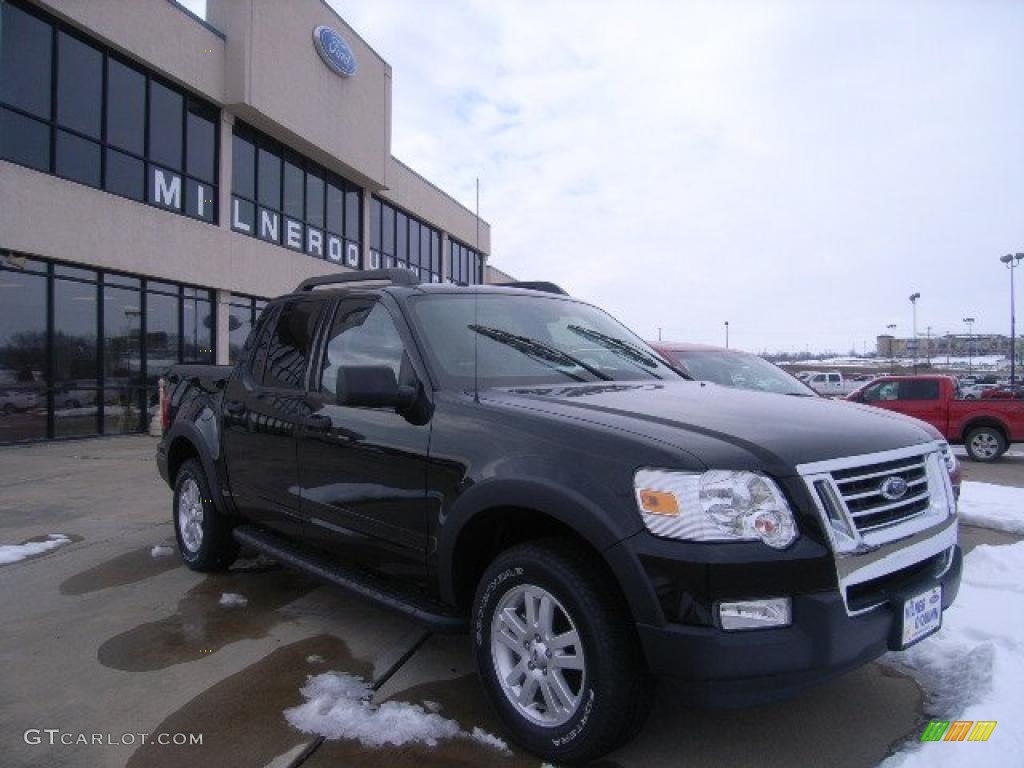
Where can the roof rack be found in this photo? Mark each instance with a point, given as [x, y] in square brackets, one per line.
[535, 285]
[393, 276]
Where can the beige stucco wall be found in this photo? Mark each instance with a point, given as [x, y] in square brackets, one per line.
[276, 80]
[155, 33]
[50, 217]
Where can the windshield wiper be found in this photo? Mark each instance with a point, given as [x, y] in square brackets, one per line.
[619, 346]
[539, 350]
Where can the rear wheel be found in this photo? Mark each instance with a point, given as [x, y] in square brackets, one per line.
[557, 652]
[985, 444]
[204, 536]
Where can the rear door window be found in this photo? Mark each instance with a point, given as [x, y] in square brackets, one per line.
[923, 389]
[289, 344]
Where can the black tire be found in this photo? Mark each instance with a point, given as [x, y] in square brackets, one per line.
[614, 692]
[985, 444]
[214, 548]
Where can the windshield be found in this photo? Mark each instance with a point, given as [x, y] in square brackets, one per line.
[530, 340]
[740, 370]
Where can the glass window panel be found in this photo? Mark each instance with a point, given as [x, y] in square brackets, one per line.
[414, 243]
[200, 199]
[335, 209]
[375, 215]
[125, 175]
[78, 159]
[25, 61]
[24, 140]
[155, 285]
[126, 107]
[124, 396]
[75, 377]
[425, 246]
[61, 270]
[294, 184]
[435, 253]
[22, 355]
[163, 340]
[290, 344]
[401, 236]
[122, 280]
[353, 222]
[201, 147]
[243, 171]
[362, 334]
[165, 120]
[243, 216]
[387, 230]
[197, 322]
[315, 200]
[79, 85]
[270, 179]
[239, 326]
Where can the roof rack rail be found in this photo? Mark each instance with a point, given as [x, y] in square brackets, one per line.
[535, 285]
[393, 276]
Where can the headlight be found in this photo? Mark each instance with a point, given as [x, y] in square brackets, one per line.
[719, 505]
[947, 457]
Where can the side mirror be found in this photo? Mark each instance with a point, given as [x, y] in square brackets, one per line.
[372, 386]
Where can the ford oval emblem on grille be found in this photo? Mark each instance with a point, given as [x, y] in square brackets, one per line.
[893, 488]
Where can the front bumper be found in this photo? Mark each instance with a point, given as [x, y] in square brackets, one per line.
[824, 640]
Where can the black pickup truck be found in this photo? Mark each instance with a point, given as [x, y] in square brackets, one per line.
[511, 462]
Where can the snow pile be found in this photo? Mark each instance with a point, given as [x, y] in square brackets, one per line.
[338, 706]
[973, 668]
[1000, 507]
[161, 551]
[12, 553]
[233, 600]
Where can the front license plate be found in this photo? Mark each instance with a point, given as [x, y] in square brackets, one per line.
[922, 615]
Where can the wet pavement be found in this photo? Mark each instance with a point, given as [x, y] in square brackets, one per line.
[102, 637]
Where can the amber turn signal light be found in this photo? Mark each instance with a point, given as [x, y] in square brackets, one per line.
[658, 502]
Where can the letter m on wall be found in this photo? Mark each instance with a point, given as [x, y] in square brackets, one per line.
[934, 730]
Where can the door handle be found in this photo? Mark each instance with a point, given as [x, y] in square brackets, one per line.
[316, 422]
[234, 407]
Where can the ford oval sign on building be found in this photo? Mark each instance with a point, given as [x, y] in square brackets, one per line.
[334, 51]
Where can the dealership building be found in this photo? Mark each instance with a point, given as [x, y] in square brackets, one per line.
[162, 175]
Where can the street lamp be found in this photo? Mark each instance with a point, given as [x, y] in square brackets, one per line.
[726, 334]
[1012, 262]
[913, 302]
[892, 360]
[969, 321]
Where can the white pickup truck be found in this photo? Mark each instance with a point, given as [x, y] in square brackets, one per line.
[832, 384]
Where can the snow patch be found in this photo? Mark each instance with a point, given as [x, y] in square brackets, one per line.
[973, 669]
[161, 550]
[999, 507]
[12, 553]
[339, 706]
[233, 600]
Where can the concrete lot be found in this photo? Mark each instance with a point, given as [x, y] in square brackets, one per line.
[101, 637]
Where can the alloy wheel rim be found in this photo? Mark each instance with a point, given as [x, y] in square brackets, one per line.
[985, 445]
[190, 515]
[538, 655]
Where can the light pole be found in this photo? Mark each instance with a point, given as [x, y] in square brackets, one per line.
[969, 321]
[1012, 261]
[726, 334]
[892, 359]
[928, 346]
[913, 302]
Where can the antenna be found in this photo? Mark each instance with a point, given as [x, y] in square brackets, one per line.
[476, 301]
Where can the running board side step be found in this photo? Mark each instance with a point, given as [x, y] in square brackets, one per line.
[432, 615]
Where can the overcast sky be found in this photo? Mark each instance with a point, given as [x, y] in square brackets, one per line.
[798, 169]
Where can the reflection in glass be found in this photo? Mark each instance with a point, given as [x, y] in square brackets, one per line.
[240, 315]
[163, 340]
[123, 395]
[197, 323]
[22, 356]
[75, 378]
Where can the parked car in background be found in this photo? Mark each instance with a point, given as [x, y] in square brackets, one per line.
[985, 427]
[832, 384]
[18, 400]
[1004, 392]
[730, 368]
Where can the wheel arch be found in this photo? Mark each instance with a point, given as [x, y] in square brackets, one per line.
[985, 421]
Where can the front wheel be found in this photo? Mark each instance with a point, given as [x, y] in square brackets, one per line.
[985, 444]
[557, 652]
[204, 536]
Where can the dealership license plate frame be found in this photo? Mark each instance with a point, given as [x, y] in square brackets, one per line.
[914, 607]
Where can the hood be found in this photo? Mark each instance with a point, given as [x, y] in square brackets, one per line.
[723, 427]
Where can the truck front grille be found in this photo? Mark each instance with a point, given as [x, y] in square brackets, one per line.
[862, 490]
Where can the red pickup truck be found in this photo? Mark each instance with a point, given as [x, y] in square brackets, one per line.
[985, 427]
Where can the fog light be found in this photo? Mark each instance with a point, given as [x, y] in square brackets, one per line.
[756, 614]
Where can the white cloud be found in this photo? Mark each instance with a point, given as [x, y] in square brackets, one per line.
[795, 168]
